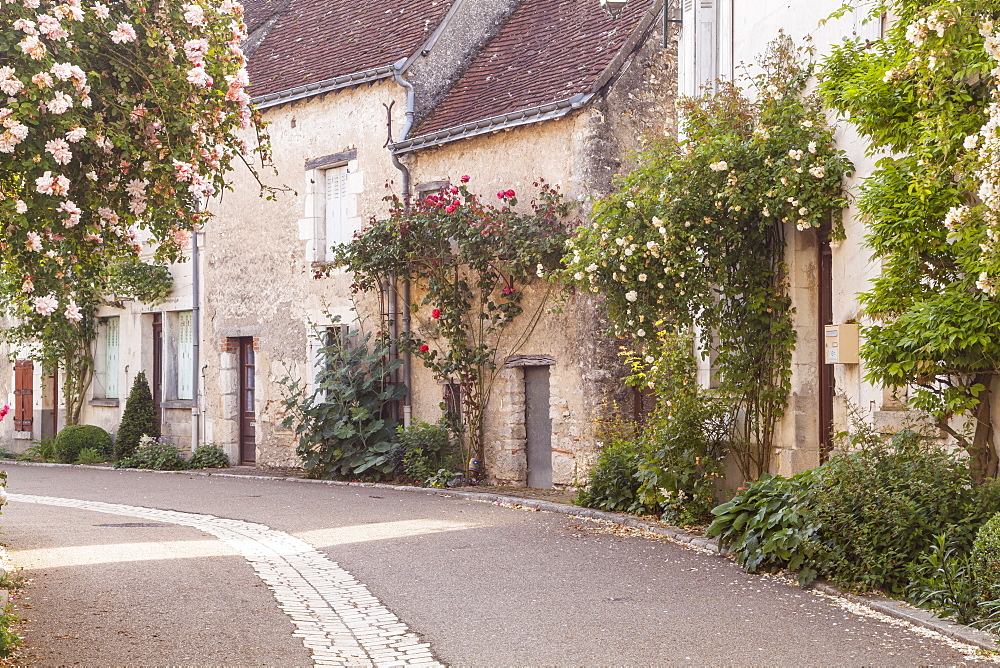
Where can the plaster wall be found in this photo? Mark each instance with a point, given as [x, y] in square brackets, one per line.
[263, 256]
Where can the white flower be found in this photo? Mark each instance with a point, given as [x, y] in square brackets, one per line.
[719, 166]
[578, 276]
[631, 295]
[194, 15]
[20, 206]
[795, 154]
[540, 270]
[46, 305]
[76, 134]
[60, 103]
[123, 33]
[970, 142]
[630, 204]
[640, 332]
[199, 77]
[101, 11]
[642, 278]
[818, 171]
[73, 312]
[34, 242]
[812, 147]
[591, 267]
[806, 123]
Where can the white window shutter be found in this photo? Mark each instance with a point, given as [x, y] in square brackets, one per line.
[335, 212]
[867, 28]
[185, 355]
[687, 48]
[706, 46]
[111, 354]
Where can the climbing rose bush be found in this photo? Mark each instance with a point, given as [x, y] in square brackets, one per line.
[116, 120]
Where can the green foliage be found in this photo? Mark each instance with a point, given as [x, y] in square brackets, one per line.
[881, 506]
[443, 478]
[684, 435]
[156, 453]
[941, 580]
[613, 483]
[209, 456]
[139, 418]
[770, 525]
[426, 450]
[696, 234]
[71, 440]
[44, 450]
[89, 456]
[343, 424]
[473, 261]
[985, 556]
[922, 98]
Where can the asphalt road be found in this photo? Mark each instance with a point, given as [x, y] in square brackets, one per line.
[483, 584]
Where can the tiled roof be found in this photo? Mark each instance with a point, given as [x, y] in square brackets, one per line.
[257, 12]
[548, 51]
[315, 40]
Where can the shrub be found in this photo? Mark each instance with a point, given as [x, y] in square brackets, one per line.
[941, 580]
[343, 425]
[880, 507]
[157, 453]
[985, 556]
[426, 449]
[74, 438]
[685, 435]
[614, 484]
[139, 418]
[208, 456]
[769, 525]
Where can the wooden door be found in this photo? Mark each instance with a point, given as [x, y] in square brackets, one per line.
[157, 380]
[24, 378]
[825, 317]
[248, 418]
[538, 426]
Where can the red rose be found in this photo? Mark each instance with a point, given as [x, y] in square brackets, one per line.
[510, 193]
[453, 190]
[424, 348]
[436, 313]
[465, 179]
[450, 208]
[501, 194]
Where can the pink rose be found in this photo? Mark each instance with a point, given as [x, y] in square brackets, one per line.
[465, 179]
[436, 313]
[450, 208]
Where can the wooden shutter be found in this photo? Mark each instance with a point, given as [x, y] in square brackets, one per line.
[24, 376]
[111, 348]
[185, 355]
[335, 212]
[707, 46]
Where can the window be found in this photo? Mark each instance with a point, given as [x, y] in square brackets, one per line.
[24, 379]
[185, 355]
[106, 361]
[336, 228]
[699, 46]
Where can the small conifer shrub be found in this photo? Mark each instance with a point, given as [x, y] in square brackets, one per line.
[138, 420]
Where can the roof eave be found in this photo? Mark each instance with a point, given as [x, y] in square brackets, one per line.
[325, 86]
[513, 119]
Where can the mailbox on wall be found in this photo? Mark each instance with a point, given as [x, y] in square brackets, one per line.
[841, 344]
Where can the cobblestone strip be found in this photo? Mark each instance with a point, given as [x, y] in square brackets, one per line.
[335, 615]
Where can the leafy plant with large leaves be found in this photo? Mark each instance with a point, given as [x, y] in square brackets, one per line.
[342, 421]
[925, 98]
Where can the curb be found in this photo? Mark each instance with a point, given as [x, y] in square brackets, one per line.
[887, 606]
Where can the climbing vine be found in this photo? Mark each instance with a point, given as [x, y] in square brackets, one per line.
[694, 236]
[471, 261]
[926, 96]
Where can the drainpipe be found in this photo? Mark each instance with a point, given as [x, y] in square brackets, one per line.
[405, 177]
[196, 336]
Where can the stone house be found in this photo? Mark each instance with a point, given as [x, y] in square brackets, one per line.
[378, 99]
[158, 340]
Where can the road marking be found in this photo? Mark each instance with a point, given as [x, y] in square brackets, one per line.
[338, 619]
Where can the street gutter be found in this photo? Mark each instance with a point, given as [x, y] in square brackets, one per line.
[887, 606]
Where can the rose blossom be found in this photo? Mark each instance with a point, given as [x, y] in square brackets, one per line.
[46, 305]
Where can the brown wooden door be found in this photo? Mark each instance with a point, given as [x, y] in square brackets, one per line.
[825, 313]
[157, 380]
[24, 376]
[248, 418]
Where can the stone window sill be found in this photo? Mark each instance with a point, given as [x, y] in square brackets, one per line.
[178, 404]
[104, 402]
